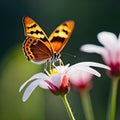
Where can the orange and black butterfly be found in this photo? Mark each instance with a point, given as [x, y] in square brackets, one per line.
[38, 47]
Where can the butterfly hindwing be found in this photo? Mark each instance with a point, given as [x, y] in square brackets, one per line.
[61, 35]
[36, 50]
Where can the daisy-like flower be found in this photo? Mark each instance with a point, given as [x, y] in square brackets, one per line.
[56, 82]
[58, 79]
[110, 51]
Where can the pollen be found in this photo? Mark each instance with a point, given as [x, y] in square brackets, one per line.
[54, 71]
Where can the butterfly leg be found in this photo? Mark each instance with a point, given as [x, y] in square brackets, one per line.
[46, 72]
[48, 67]
[45, 67]
[61, 62]
[53, 65]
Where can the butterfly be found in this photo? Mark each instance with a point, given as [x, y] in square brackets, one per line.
[38, 47]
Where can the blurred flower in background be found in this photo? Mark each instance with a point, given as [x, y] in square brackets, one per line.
[81, 81]
[110, 52]
[111, 56]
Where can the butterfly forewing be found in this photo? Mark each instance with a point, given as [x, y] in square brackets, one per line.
[61, 35]
[32, 29]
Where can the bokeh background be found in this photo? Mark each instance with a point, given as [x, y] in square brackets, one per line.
[91, 17]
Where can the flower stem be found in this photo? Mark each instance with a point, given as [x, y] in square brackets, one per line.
[112, 104]
[65, 101]
[87, 106]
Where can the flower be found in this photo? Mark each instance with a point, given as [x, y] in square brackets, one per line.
[81, 74]
[58, 79]
[81, 81]
[56, 82]
[110, 52]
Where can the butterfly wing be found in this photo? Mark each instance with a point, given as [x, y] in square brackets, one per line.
[61, 35]
[36, 46]
[36, 51]
[32, 29]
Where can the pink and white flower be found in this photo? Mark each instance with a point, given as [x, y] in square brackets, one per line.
[81, 81]
[110, 51]
[58, 79]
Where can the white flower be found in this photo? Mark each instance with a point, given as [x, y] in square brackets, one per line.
[54, 82]
[58, 80]
[110, 51]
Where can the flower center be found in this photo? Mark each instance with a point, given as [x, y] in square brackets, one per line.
[53, 71]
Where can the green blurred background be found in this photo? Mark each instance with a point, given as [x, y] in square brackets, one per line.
[91, 17]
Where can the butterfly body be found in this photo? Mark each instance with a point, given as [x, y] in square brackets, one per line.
[38, 47]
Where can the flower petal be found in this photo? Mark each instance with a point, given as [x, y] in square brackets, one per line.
[74, 68]
[56, 79]
[92, 64]
[43, 84]
[80, 76]
[92, 49]
[119, 37]
[30, 89]
[107, 37]
[62, 69]
[109, 40]
[36, 76]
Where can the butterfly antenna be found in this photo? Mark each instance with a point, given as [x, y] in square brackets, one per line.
[74, 56]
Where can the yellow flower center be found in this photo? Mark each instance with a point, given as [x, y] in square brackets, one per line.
[54, 71]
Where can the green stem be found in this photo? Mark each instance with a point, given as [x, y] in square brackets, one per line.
[65, 101]
[112, 104]
[87, 106]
